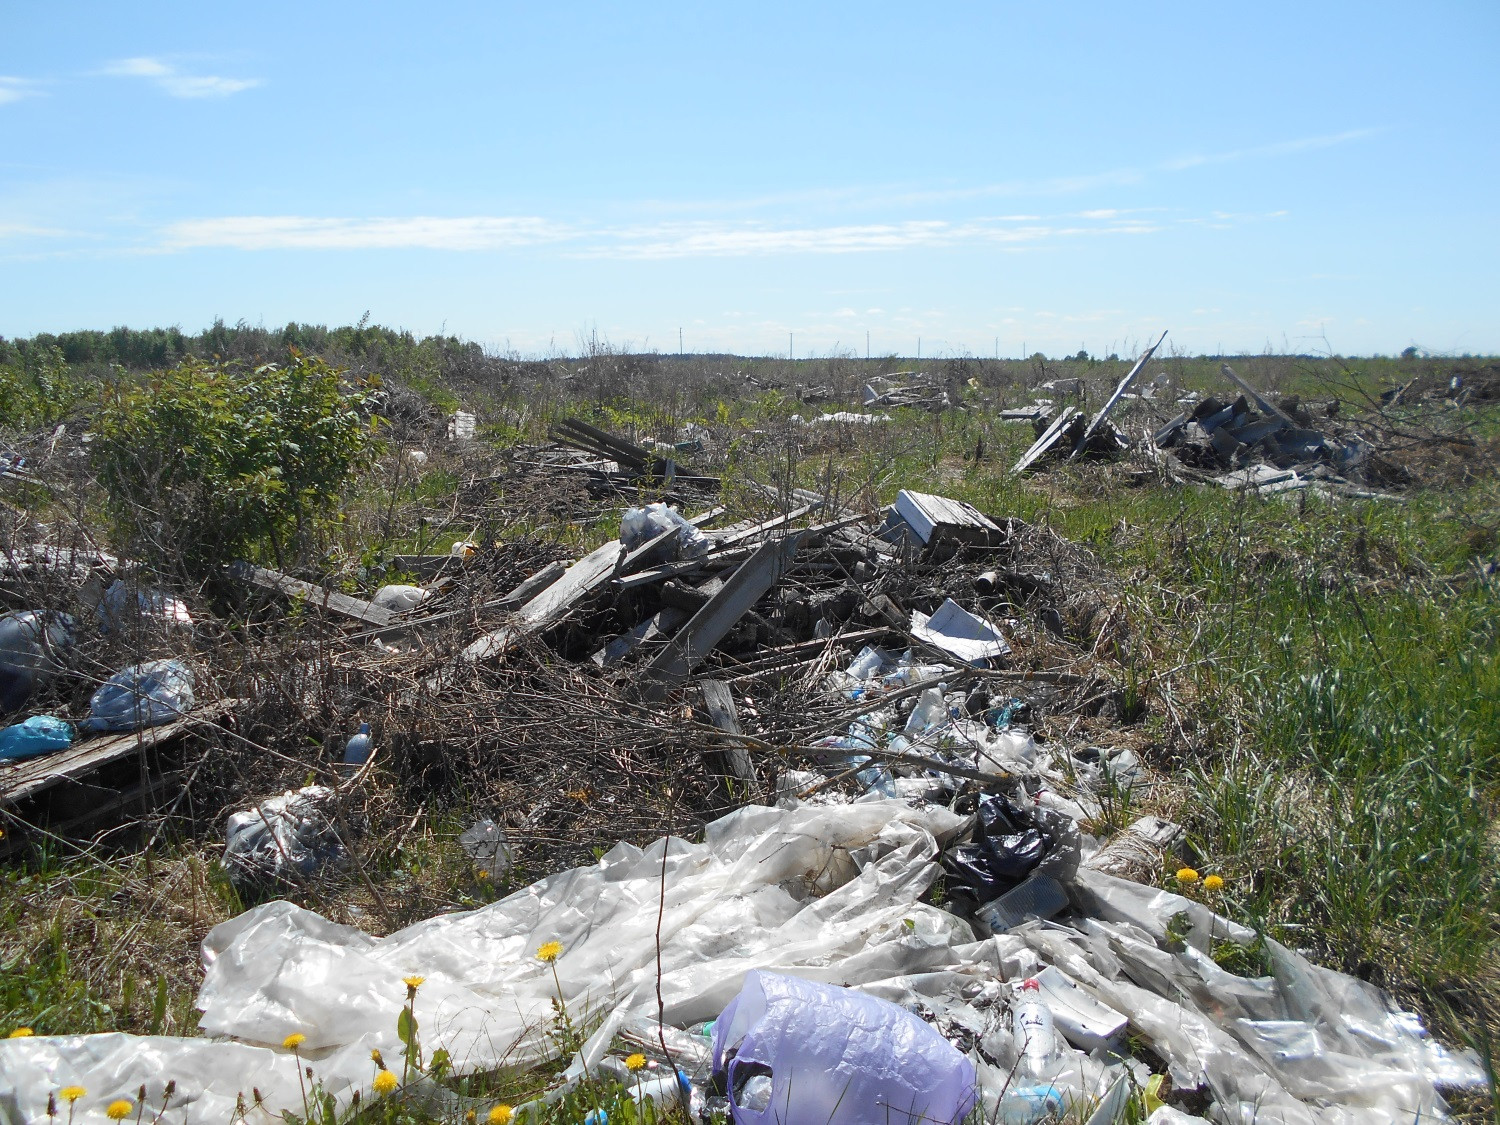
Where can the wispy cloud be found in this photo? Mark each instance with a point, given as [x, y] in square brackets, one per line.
[291, 232]
[13, 89]
[1281, 148]
[175, 82]
[697, 239]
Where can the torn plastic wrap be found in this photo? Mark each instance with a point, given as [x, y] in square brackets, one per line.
[822, 893]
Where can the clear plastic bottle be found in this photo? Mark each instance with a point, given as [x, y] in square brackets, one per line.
[931, 711]
[1036, 1039]
[357, 749]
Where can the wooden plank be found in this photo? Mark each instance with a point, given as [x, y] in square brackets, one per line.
[1254, 396]
[758, 574]
[1124, 385]
[341, 604]
[551, 605]
[1043, 445]
[26, 779]
[734, 759]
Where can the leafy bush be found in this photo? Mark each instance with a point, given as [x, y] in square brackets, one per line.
[203, 464]
[37, 389]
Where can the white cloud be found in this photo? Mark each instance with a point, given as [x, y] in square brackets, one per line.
[1281, 148]
[292, 232]
[13, 89]
[176, 83]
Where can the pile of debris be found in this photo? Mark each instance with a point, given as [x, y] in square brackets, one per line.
[1266, 446]
[872, 695]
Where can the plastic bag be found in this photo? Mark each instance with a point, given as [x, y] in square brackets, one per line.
[639, 526]
[399, 598]
[1007, 847]
[40, 734]
[289, 836]
[834, 1056]
[33, 648]
[142, 695]
[117, 607]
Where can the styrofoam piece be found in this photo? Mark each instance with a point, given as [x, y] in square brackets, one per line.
[960, 633]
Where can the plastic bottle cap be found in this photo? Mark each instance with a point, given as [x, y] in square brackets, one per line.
[1031, 986]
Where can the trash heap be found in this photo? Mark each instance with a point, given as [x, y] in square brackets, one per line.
[919, 910]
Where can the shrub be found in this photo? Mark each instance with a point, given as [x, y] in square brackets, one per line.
[203, 464]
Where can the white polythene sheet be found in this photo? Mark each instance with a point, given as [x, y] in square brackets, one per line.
[825, 892]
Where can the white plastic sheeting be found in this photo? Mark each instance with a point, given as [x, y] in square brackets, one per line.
[827, 893]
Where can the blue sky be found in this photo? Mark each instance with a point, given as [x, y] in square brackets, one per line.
[1039, 176]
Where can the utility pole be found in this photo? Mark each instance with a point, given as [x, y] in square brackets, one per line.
[679, 341]
[919, 351]
[789, 347]
[867, 345]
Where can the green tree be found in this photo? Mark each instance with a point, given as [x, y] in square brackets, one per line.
[204, 463]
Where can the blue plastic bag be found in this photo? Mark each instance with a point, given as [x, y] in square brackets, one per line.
[796, 1052]
[142, 695]
[40, 734]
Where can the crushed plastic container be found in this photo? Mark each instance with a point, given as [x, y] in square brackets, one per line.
[33, 649]
[40, 734]
[142, 695]
[1039, 896]
[834, 1056]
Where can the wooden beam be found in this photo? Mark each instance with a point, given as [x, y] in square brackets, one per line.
[341, 604]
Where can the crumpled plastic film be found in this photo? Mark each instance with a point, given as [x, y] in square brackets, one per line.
[749, 897]
[822, 893]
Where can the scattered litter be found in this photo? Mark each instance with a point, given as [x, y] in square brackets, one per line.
[142, 695]
[120, 603]
[486, 844]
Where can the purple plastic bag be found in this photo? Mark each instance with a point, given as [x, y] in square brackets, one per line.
[835, 1056]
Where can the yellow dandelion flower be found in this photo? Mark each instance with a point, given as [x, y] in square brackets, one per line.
[20, 1033]
[470, 1116]
[1186, 876]
[1213, 883]
[375, 1057]
[501, 1114]
[71, 1094]
[294, 1040]
[119, 1109]
[549, 951]
[385, 1082]
[413, 983]
[483, 875]
[635, 1061]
